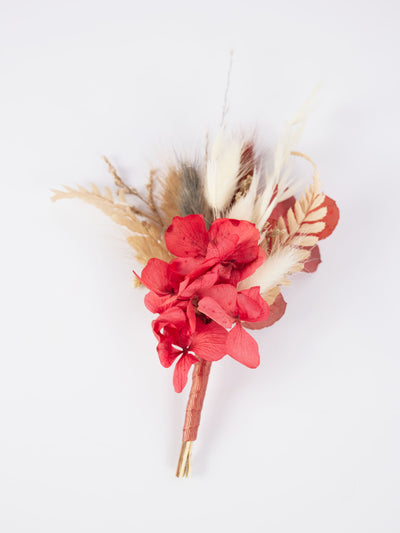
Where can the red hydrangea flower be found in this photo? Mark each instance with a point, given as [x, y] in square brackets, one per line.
[189, 339]
[230, 244]
[163, 282]
[201, 311]
[169, 288]
[226, 307]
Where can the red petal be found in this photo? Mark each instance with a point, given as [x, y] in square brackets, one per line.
[225, 296]
[224, 229]
[154, 275]
[276, 311]
[193, 268]
[281, 209]
[154, 303]
[222, 248]
[191, 314]
[242, 347]
[181, 371]
[186, 265]
[249, 269]
[251, 306]
[331, 218]
[187, 236]
[213, 310]
[159, 277]
[209, 341]
[227, 273]
[167, 353]
[313, 261]
[173, 316]
[205, 281]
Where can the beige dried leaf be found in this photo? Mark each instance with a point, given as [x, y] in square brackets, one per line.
[298, 210]
[300, 220]
[292, 221]
[305, 240]
[289, 246]
[316, 215]
[315, 227]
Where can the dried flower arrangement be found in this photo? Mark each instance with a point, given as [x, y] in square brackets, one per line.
[218, 240]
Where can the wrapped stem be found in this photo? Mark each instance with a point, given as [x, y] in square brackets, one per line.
[201, 372]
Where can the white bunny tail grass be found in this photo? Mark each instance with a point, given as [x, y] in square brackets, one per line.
[222, 171]
[284, 261]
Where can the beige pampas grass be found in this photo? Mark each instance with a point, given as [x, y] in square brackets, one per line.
[222, 171]
[280, 185]
[274, 271]
[145, 225]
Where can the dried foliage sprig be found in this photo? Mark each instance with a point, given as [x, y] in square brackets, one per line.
[146, 228]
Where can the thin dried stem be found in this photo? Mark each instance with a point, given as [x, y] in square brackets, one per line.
[134, 192]
[121, 184]
[151, 202]
[228, 83]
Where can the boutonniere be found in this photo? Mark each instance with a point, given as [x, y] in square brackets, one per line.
[218, 239]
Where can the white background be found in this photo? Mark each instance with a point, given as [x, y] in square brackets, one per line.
[90, 425]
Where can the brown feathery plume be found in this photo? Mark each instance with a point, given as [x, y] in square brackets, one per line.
[171, 184]
[191, 194]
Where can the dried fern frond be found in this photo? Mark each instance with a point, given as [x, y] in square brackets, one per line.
[305, 220]
[289, 244]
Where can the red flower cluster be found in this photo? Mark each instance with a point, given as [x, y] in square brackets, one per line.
[196, 294]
